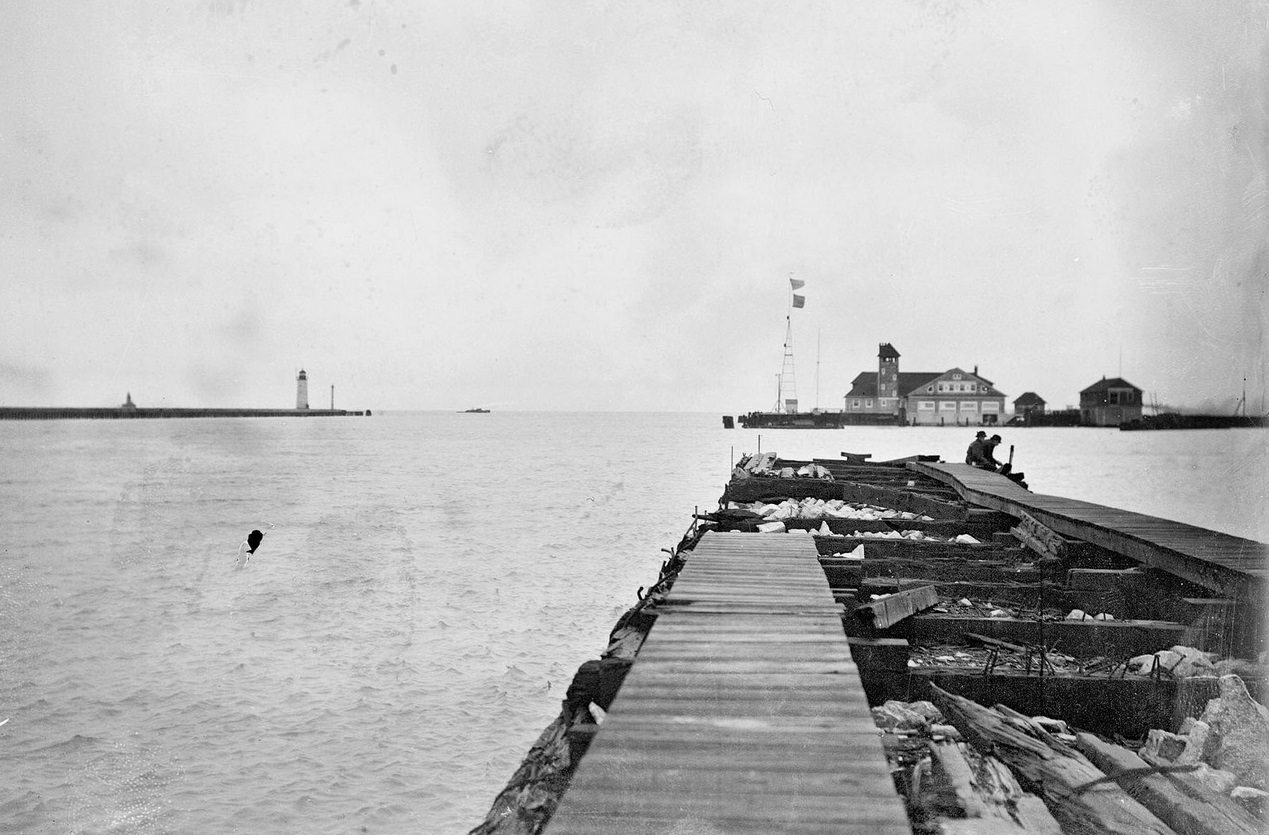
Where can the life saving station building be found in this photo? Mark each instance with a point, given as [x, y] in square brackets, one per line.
[923, 398]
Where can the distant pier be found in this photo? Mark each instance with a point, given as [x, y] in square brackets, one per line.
[129, 413]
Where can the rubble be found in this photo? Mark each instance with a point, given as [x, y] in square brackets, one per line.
[906, 715]
[1178, 662]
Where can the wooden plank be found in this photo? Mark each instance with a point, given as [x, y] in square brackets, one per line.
[743, 711]
[1211, 559]
[1183, 811]
[888, 610]
[1055, 773]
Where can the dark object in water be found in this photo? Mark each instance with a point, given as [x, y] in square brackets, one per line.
[253, 541]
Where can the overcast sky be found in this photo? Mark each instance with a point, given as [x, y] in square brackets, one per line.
[598, 206]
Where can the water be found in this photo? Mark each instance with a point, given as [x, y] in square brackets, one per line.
[427, 586]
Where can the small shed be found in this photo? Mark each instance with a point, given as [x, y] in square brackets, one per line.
[1028, 405]
[1110, 402]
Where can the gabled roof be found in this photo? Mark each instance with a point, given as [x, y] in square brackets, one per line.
[865, 383]
[887, 351]
[1105, 385]
[1029, 398]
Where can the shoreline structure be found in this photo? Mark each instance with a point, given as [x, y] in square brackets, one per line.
[1109, 642]
[137, 412]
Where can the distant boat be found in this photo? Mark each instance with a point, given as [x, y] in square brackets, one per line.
[475, 411]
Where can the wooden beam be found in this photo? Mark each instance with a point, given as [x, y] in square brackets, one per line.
[886, 611]
[1040, 539]
[1053, 772]
[1186, 811]
[1111, 638]
[1127, 706]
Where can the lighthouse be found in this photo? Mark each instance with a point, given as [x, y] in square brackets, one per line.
[301, 390]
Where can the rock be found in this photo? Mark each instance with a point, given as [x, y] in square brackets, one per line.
[1080, 614]
[1194, 663]
[1195, 732]
[896, 715]
[1179, 662]
[1103, 616]
[1239, 736]
[1216, 780]
[1253, 800]
[1164, 745]
[1053, 726]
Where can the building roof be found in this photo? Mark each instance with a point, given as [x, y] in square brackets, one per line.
[1029, 398]
[887, 351]
[865, 383]
[1105, 385]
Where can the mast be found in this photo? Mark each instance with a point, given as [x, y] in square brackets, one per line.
[788, 380]
[818, 334]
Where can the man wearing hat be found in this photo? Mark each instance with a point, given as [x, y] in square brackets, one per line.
[980, 452]
[974, 455]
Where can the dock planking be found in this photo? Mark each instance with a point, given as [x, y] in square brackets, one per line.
[1227, 564]
[743, 711]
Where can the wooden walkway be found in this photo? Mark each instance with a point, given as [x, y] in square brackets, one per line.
[1226, 564]
[742, 713]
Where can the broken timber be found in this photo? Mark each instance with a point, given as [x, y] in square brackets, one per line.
[1052, 770]
[698, 728]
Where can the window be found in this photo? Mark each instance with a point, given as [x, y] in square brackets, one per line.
[930, 389]
[956, 376]
[947, 406]
[854, 404]
[868, 404]
[925, 405]
[990, 406]
[969, 405]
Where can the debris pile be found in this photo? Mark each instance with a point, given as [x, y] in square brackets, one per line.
[813, 508]
[1177, 662]
[947, 785]
[764, 465]
[1091, 785]
[1227, 747]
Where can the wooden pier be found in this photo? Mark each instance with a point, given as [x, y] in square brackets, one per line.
[1217, 561]
[744, 712]
[737, 691]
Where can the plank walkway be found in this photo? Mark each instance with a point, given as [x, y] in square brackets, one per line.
[1230, 565]
[742, 713]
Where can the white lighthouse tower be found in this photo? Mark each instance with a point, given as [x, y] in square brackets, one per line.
[301, 390]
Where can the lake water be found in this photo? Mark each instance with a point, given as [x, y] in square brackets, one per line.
[427, 586]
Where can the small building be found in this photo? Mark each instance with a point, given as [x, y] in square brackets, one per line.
[929, 398]
[301, 390]
[1028, 406]
[1110, 402]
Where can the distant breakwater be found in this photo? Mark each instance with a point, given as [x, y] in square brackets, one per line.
[121, 413]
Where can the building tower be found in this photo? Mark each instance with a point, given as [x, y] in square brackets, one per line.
[887, 374]
[301, 390]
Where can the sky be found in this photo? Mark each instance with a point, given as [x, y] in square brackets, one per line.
[567, 206]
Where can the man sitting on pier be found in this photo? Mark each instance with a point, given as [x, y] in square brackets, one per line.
[979, 452]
